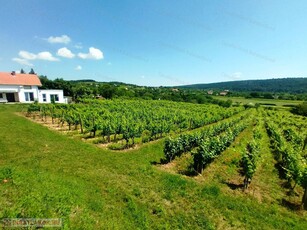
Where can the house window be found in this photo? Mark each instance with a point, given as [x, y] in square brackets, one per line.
[29, 96]
[54, 97]
[27, 87]
[44, 97]
[1, 95]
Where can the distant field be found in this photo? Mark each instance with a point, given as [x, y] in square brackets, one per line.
[273, 102]
[46, 173]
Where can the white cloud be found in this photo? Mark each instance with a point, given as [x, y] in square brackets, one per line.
[27, 55]
[79, 67]
[94, 53]
[47, 56]
[22, 61]
[78, 46]
[62, 39]
[64, 52]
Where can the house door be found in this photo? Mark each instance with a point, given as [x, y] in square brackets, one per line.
[10, 97]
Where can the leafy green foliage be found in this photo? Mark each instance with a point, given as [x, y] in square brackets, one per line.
[92, 188]
[250, 157]
[293, 85]
[128, 119]
[300, 109]
[90, 89]
[174, 147]
[288, 146]
[249, 162]
[212, 147]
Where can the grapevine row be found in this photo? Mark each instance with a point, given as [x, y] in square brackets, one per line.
[212, 147]
[127, 119]
[250, 157]
[289, 157]
[175, 147]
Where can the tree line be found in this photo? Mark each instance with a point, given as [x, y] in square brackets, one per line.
[83, 89]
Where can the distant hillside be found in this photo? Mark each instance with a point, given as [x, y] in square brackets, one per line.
[98, 82]
[82, 81]
[290, 85]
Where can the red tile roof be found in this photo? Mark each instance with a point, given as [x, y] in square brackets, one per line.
[19, 79]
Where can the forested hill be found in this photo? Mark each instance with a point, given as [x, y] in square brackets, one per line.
[289, 85]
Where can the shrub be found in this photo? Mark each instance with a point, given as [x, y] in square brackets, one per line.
[146, 134]
[117, 146]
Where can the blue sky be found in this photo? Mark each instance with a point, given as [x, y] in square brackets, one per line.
[153, 43]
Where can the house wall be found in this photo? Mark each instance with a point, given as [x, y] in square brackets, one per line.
[9, 88]
[48, 94]
[19, 92]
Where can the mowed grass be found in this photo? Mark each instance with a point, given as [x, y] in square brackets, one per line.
[261, 101]
[50, 175]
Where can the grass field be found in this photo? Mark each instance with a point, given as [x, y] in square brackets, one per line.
[50, 175]
[272, 102]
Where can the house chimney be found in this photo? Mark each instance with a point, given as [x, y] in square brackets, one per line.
[13, 73]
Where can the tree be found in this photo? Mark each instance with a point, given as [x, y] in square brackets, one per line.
[255, 94]
[268, 96]
[107, 90]
[22, 71]
[300, 109]
[31, 71]
[60, 83]
[80, 91]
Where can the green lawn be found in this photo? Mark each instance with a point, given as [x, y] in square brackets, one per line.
[276, 102]
[51, 175]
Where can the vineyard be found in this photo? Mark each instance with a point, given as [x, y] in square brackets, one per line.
[288, 138]
[287, 144]
[154, 165]
[127, 122]
[203, 132]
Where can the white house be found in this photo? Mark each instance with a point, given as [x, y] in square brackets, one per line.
[24, 88]
[49, 95]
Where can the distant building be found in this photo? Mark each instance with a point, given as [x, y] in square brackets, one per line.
[24, 88]
[210, 92]
[223, 93]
